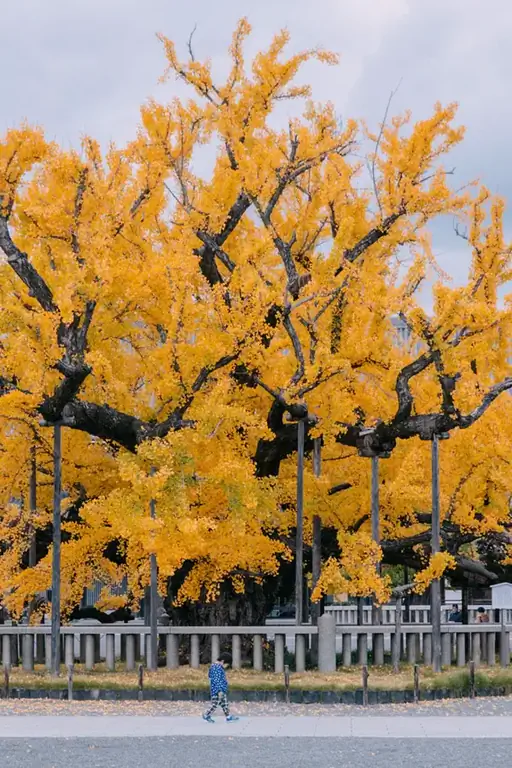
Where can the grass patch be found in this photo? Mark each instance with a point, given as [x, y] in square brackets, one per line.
[380, 678]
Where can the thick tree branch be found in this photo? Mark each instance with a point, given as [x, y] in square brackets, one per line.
[372, 237]
[20, 264]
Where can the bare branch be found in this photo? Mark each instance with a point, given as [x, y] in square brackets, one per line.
[191, 52]
[377, 145]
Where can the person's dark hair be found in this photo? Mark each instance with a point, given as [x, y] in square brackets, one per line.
[480, 610]
[226, 658]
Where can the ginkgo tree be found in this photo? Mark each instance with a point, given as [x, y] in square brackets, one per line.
[185, 324]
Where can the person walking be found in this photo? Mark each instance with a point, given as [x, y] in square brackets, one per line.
[219, 689]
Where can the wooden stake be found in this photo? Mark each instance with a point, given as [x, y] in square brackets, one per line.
[365, 686]
[141, 682]
[70, 681]
[287, 683]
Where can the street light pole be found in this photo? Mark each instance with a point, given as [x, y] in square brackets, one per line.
[153, 592]
[57, 497]
[376, 614]
[299, 544]
[435, 589]
[316, 564]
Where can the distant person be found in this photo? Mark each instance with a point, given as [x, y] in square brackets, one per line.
[455, 615]
[482, 617]
[219, 689]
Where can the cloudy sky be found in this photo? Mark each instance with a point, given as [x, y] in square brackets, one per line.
[85, 66]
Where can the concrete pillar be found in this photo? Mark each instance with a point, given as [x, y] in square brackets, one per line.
[504, 648]
[362, 649]
[300, 653]
[215, 644]
[194, 651]
[446, 649]
[279, 644]
[48, 651]
[476, 650]
[412, 644]
[89, 652]
[236, 651]
[130, 653]
[257, 653]
[491, 648]
[110, 652]
[461, 649]
[6, 650]
[326, 643]
[347, 649]
[172, 648]
[427, 648]
[27, 652]
[39, 659]
[378, 649]
[69, 650]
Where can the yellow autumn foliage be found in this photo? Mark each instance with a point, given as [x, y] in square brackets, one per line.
[173, 322]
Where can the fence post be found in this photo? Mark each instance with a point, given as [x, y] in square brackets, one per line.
[6, 651]
[172, 652]
[397, 640]
[69, 643]
[326, 643]
[461, 650]
[110, 652]
[215, 647]
[130, 653]
[257, 652]
[347, 649]
[89, 652]
[300, 653]
[27, 652]
[236, 651]
[491, 649]
[279, 643]
[378, 649]
[194, 651]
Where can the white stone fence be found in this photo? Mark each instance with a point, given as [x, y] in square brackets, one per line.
[129, 644]
[418, 614]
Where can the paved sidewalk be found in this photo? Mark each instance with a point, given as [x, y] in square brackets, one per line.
[396, 727]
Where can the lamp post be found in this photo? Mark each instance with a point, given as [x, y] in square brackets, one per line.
[367, 450]
[153, 593]
[299, 541]
[435, 547]
[57, 498]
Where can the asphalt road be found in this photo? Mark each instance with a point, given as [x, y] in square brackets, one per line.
[189, 752]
